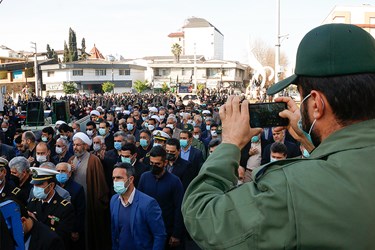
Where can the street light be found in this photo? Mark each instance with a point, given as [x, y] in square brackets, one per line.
[36, 69]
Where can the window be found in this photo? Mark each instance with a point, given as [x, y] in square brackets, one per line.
[100, 72]
[124, 72]
[51, 73]
[78, 72]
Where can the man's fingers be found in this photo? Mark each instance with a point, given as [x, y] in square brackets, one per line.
[292, 106]
[245, 111]
[286, 114]
[236, 105]
[228, 107]
[222, 112]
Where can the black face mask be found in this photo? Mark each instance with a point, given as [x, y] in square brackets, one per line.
[156, 170]
[171, 157]
[15, 180]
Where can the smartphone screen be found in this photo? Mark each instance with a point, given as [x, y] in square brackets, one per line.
[263, 115]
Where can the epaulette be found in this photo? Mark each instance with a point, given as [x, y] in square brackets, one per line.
[34, 199]
[65, 202]
[147, 155]
[16, 190]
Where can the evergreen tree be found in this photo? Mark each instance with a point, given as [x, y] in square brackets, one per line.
[73, 46]
[49, 52]
[66, 53]
[83, 49]
[54, 54]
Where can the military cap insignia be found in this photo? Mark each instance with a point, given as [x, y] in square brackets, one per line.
[158, 134]
[65, 202]
[148, 155]
[219, 128]
[34, 199]
[186, 126]
[16, 190]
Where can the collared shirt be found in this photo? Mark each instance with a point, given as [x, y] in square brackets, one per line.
[130, 200]
[1, 190]
[185, 154]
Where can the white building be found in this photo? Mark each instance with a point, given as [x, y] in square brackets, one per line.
[200, 37]
[210, 73]
[89, 76]
[360, 15]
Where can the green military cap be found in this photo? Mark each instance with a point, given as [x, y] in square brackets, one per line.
[188, 127]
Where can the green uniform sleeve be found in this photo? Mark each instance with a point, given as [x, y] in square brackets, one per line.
[219, 215]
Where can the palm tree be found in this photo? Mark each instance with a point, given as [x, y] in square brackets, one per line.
[176, 51]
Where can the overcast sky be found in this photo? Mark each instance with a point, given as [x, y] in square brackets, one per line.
[140, 27]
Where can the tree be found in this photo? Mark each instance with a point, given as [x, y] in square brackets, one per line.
[70, 87]
[49, 52]
[108, 87]
[83, 49]
[66, 53]
[176, 51]
[54, 54]
[140, 86]
[73, 53]
[164, 87]
[265, 54]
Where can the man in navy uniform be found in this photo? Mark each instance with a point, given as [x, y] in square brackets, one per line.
[48, 207]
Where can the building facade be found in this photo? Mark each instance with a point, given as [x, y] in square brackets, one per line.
[89, 76]
[209, 73]
[360, 15]
[200, 37]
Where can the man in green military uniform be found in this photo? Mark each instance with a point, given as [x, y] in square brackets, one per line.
[324, 201]
[48, 207]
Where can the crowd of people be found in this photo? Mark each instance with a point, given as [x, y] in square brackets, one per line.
[80, 179]
[147, 172]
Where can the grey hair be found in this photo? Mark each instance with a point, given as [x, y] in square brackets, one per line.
[130, 138]
[120, 133]
[198, 118]
[48, 165]
[101, 138]
[63, 140]
[20, 163]
[172, 118]
[67, 165]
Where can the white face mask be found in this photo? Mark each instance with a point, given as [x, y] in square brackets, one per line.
[273, 159]
[89, 132]
[41, 158]
[59, 150]
[170, 126]
[4, 129]
[196, 136]
[213, 133]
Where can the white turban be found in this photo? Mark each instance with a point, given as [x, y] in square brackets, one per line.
[83, 138]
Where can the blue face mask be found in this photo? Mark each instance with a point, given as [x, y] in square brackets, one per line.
[44, 139]
[39, 192]
[119, 187]
[62, 177]
[272, 159]
[208, 127]
[255, 139]
[183, 143]
[102, 131]
[117, 145]
[129, 126]
[143, 142]
[306, 153]
[125, 159]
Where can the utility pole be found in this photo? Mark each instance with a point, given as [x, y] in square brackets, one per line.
[195, 68]
[277, 46]
[36, 70]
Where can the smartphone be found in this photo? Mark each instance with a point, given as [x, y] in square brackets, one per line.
[264, 115]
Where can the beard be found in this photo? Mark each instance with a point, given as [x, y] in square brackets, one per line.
[306, 126]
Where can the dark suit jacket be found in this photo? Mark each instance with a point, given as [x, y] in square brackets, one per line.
[43, 238]
[292, 149]
[146, 222]
[7, 151]
[111, 157]
[196, 160]
[78, 201]
[139, 169]
[181, 170]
